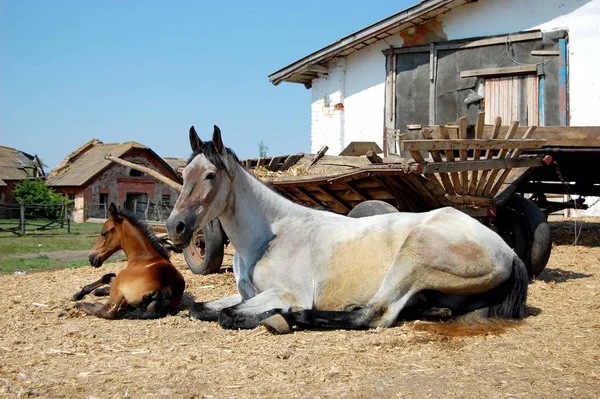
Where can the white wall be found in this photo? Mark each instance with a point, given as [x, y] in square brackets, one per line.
[359, 83]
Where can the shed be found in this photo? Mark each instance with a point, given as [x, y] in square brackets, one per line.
[93, 182]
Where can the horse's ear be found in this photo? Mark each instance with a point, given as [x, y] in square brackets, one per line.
[195, 141]
[114, 213]
[217, 140]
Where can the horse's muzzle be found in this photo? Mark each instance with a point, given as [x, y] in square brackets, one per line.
[180, 232]
[95, 260]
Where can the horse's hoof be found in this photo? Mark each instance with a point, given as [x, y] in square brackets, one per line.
[277, 324]
[200, 312]
[77, 297]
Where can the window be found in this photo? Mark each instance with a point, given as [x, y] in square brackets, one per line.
[71, 197]
[166, 199]
[135, 173]
[103, 199]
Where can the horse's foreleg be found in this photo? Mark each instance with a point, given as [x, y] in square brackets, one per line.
[250, 313]
[106, 279]
[103, 291]
[209, 311]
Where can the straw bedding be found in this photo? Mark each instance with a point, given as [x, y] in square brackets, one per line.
[49, 350]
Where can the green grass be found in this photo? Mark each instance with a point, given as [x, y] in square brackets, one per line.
[44, 263]
[82, 237]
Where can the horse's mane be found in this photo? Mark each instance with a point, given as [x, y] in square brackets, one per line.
[143, 227]
[211, 153]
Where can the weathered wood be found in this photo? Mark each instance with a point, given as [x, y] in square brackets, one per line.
[308, 195]
[334, 197]
[291, 160]
[477, 153]
[373, 157]
[470, 144]
[359, 193]
[274, 163]
[173, 184]
[558, 136]
[248, 163]
[489, 154]
[514, 156]
[464, 155]
[512, 129]
[260, 162]
[449, 153]
[481, 164]
[545, 53]
[512, 70]
[437, 157]
[319, 155]
[467, 199]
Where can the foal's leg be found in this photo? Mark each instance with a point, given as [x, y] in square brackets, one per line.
[103, 291]
[109, 309]
[106, 279]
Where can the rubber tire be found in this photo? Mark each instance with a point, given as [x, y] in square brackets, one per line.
[370, 208]
[214, 243]
[536, 244]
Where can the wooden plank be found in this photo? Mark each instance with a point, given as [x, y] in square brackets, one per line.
[260, 162]
[477, 153]
[467, 199]
[558, 136]
[274, 163]
[545, 53]
[512, 129]
[515, 155]
[319, 155]
[335, 198]
[489, 154]
[308, 195]
[482, 164]
[359, 193]
[290, 160]
[470, 144]
[436, 156]
[449, 157]
[512, 70]
[373, 157]
[464, 155]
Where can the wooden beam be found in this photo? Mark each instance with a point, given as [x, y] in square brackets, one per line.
[477, 153]
[437, 157]
[291, 160]
[319, 155]
[470, 144]
[449, 153]
[512, 129]
[482, 164]
[470, 200]
[318, 68]
[545, 53]
[335, 198]
[512, 70]
[464, 155]
[162, 178]
[489, 154]
[558, 136]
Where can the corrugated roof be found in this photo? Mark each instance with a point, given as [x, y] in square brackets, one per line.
[306, 69]
[86, 162]
[13, 163]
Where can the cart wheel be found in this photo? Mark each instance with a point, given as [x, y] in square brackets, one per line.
[370, 208]
[528, 232]
[204, 255]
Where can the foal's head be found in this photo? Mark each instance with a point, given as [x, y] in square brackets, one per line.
[207, 184]
[109, 240]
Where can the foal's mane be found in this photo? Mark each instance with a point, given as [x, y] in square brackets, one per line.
[143, 228]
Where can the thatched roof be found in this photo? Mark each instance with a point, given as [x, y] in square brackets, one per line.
[177, 164]
[13, 164]
[87, 161]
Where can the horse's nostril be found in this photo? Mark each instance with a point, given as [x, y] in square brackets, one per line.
[179, 227]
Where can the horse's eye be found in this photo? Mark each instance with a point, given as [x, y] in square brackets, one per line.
[210, 176]
[104, 233]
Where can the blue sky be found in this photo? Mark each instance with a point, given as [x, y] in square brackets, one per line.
[148, 70]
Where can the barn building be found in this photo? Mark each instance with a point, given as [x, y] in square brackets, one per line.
[526, 60]
[16, 166]
[93, 182]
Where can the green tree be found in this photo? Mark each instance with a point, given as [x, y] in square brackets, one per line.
[262, 149]
[35, 192]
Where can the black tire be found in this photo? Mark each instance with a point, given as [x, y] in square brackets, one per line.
[205, 253]
[533, 241]
[370, 208]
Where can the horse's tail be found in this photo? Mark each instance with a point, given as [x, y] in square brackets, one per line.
[515, 294]
[510, 296]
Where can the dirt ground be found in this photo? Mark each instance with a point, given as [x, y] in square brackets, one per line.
[50, 351]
